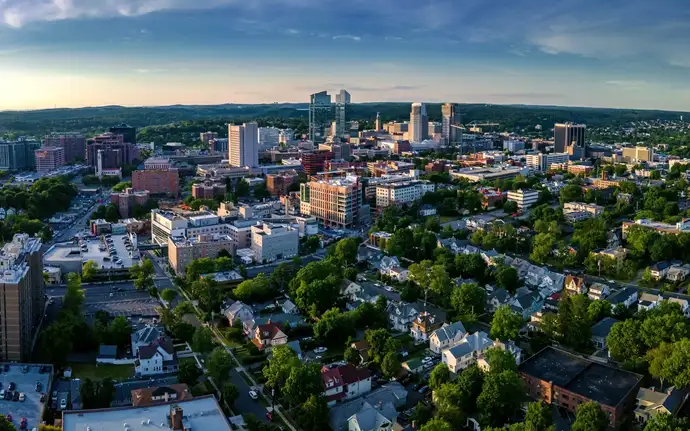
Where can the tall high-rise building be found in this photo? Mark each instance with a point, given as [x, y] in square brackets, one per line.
[334, 202]
[73, 143]
[320, 116]
[116, 151]
[49, 158]
[18, 155]
[450, 119]
[243, 145]
[342, 103]
[419, 123]
[379, 124]
[128, 133]
[570, 138]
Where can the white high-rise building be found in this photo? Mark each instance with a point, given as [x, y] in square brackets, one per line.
[243, 145]
[419, 123]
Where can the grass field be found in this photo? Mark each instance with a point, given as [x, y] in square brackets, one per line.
[94, 372]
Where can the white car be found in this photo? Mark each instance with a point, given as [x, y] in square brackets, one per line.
[320, 350]
[388, 288]
[63, 404]
[427, 359]
[253, 395]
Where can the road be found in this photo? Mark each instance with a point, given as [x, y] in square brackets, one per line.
[93, 289]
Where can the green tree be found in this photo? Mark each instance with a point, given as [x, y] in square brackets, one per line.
[468, 300]
[313, 414]
[74, 295]
[202, 341]
[88, 271]
[500, 360]
[188, 373]
[256, 289]
[590, 417]
[598, 309]
[667, 422]
[380, 343]
[352, 356]
[143, 274]
[470, 383]
[283, 359]
[334, 327]
[510, 207]
[120, 331]
[219, 365]
[168, 295]
[230, 394]
[391, 365]
[507, 278]
[303, 382]
[505, 324]
[571, 193]
[346, 250]
[436, 425]
[501, 397]
[111, 214]
[439, 376]
[539, 417]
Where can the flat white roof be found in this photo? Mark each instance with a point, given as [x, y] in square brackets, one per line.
[202, 413]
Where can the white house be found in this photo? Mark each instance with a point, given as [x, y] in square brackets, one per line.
[401, 315]
[289, 307]
[598, 291]
[345, 382]
[238, 310]
[647, 301]
[447, 335]
[684, 306]
[370, 418]
[399, 274]
[471, 349]
[268, 335]
[156, 358]
[144, 337]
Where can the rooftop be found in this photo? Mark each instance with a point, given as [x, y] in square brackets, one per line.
[202, 413]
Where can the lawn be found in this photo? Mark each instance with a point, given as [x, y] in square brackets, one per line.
[98, 372]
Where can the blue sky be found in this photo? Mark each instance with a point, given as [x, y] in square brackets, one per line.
[68, 53]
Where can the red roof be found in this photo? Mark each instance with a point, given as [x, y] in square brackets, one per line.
[343, 375]
[268, 331]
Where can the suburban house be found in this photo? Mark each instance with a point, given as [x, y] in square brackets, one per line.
[160, 394]
[598, 291]
[387, 263]
[498, 298]
[345, 382]
[575, 285]
[651, 403]
[678, 274]
[423, 326]
[357, 293]
[370, 418]
[238, 311]
[627, 296]
[647, 301]
[601, 330]
[527, 304]
[470, 348]
[683, 303]
[289, 307]
[401, 315]
[398, 273]
[357, 415]
[659, 270]
[268, 335]
[144, 337]
[158, 357]
[446, 336]
[362, 348]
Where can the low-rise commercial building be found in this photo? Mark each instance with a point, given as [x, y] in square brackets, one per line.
[183, 250]
[577, 211]
[208, 190]
[543, 162]
[638, 154]
[663, 228]
[272, 242]
[157, 181]
[476, 175]
[126, 200]
[523, 198]
[401, 193]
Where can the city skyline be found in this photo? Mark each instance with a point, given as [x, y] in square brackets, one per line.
[572, 53]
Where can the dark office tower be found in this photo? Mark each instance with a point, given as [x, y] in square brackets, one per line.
[450, 122]
[320, 116]
[128, 133]
[342, 103]
[570, 138]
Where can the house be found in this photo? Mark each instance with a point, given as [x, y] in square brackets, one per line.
[158, 357]
[659, 270]
[427, 210]
[345, 382]
[414, 366]
[361, 292]
[498, 298]
[651, 403]
[683, 303]
[678, 274]
[371, 254]
[268, 335]
[601, 330]
[575, 285]
[387, 263]
[144, 337]
[386, 399]
[294, 345]
[362, 348]
[423, 326]
[446, 336]
[401, 315]
[238, 311]
[465, 353]
[399, 274]
[289, 307]
[370, 418]
[160, 394]
[627, 296]
[598, 291]
[490, 257]
[618, 254]
[647, 301]
[527, 304]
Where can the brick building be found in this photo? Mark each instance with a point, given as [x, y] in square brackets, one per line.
[49, 158]
[126, 200]
[157, 181]
[565, 380]
[74, 145]
[314, 163]
[116, 150]
[208, 190]
[279, 184]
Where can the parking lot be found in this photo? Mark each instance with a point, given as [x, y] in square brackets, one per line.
[31, 408]
[126, 303]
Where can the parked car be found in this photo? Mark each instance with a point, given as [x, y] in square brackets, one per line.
[9, 418]
[63, 404]
[16, 396]
[22, 397]
[423, 390]
[416, 386]
[38, 387]
[320, 350]
[43, 397]
[2, 393]
[253, 395]
[53, 396]
[12, 386]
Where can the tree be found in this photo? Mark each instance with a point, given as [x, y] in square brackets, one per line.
[391, 365]
[505, 324]
[671, 362]
[346, 250]
[501, 397]
[334, 327]
[313, 414]
[303, 381]
[188, 373]
[436, 425]
[507, 278]
[380, 343]
[230, 394]
[6, 425]
[111, 214]
[183, 331]
[120, 331]
[168, 295]
[571, 193]
[469, 383]
[352, 356]
[256, 289]
[143, 273]
[510, 207]
[598, 309]
[590, 417]
[468, 300]
[202, 341]
[439, 376]
[74, 295]
[539, 417]
[500, 360]
[667, 422]
[278, 369]
[89, 270]
[219, 365]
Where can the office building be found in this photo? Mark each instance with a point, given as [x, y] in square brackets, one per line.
[419, 123]
[165, 224]
[49, 158]
[116, 152]
[314, 163]
[513, 145]
[274, 241]
[570, 138]
[638, 154]
[207, 137]
[401, 193]
[487, 174]
[208, 190]
[279, 184]
[22, 296]
[18, 155]
[157, 163]
[73, 143]
[342, 105]
[269, 137]
[565, 380]
[523, 198]
[129, 134]
[126, 200]
[183, 250]
[243, 145]
[334, 202]
[397, 128]
[543, 162]
[157, 181]
[218, 145]
[340, 151]
[286, 136]
[450, 121]
[320, 116]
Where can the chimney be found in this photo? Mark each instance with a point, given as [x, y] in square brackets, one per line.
[176, 418]
[166, 396]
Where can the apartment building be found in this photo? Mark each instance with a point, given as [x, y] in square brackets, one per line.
[334, 202]
[157, 181]
[126, 200]
[577, 211]
[523, 198]
[22, 297]
[18, 155]
[208, 190]
[401, 193]
[638, 154]
[49, 158]
[273, 241]
[116, 151]
[279, 184]
[543, 162]
[74, 145]
[183, 250]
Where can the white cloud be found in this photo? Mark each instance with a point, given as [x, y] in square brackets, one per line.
[348, 36]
